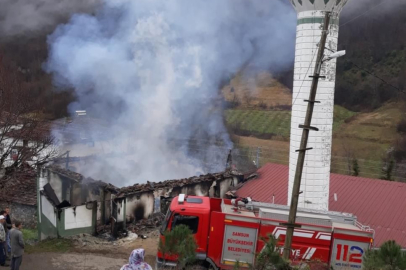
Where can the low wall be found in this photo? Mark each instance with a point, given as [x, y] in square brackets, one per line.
[67, 221]
[47, 226]
[27, 214]
[77, 220]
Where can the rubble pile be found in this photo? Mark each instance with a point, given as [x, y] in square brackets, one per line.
[84, 239]
[145, 226]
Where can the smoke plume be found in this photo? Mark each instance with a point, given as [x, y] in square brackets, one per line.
[152, 69]
[27, 17]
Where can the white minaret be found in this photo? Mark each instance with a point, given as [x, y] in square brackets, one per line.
[316, 172]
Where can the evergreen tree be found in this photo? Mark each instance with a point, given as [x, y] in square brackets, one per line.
[389, 256]
[180, 243]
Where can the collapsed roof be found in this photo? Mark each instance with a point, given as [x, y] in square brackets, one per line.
[149, 186]
[79, 178]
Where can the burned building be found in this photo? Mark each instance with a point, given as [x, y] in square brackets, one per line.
[69, 203]
[143, 200]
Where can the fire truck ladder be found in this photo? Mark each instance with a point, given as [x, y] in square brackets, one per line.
[365, 228]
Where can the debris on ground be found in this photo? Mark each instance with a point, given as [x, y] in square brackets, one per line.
[131, 237]
[142, 229]
[145, 226]
[84, 239]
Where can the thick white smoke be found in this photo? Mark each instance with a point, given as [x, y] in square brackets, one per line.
[27, 17]
[153, 68]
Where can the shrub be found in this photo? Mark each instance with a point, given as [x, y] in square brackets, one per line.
[270, 257]
[389, 256]
[180, 243]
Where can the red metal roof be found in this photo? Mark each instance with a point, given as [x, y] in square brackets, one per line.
[376, 203]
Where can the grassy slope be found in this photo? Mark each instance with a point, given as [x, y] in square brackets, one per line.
[377, 126]
[253, 90]
[364, 136]
[269, 122]
[275, 122]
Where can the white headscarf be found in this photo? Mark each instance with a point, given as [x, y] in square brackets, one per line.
[136, 261]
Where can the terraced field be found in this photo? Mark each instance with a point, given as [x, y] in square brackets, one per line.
[260, 123]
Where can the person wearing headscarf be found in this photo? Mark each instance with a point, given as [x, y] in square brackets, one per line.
[136, 261]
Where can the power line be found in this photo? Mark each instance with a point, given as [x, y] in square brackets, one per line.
[370, 73]
[304, 79]
[362, 14]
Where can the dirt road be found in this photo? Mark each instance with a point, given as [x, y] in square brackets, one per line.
[91, 256]
[70, 261]
[74, 261]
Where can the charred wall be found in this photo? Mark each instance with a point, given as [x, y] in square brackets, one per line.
[139, 206]
[143, 204]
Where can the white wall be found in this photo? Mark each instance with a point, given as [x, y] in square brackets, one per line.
[316, 171]
[79, 217]
[48, 210]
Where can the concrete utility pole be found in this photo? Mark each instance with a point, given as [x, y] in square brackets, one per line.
[303, 144]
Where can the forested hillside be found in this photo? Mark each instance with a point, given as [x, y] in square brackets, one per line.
[374, 38]
[372, 33]
[372, 74]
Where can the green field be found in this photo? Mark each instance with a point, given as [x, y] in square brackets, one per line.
[365, 137]
[263, 122]
[274, 122]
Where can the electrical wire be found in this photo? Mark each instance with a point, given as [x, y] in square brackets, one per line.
[372, 74]
[366, 12]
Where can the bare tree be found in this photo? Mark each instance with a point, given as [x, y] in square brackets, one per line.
[24, 137]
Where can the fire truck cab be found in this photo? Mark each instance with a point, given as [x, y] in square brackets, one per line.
[229, 231]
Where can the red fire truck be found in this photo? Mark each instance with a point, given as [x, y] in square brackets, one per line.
[228, 231]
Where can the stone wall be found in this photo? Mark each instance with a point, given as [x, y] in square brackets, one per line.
[27, 214]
